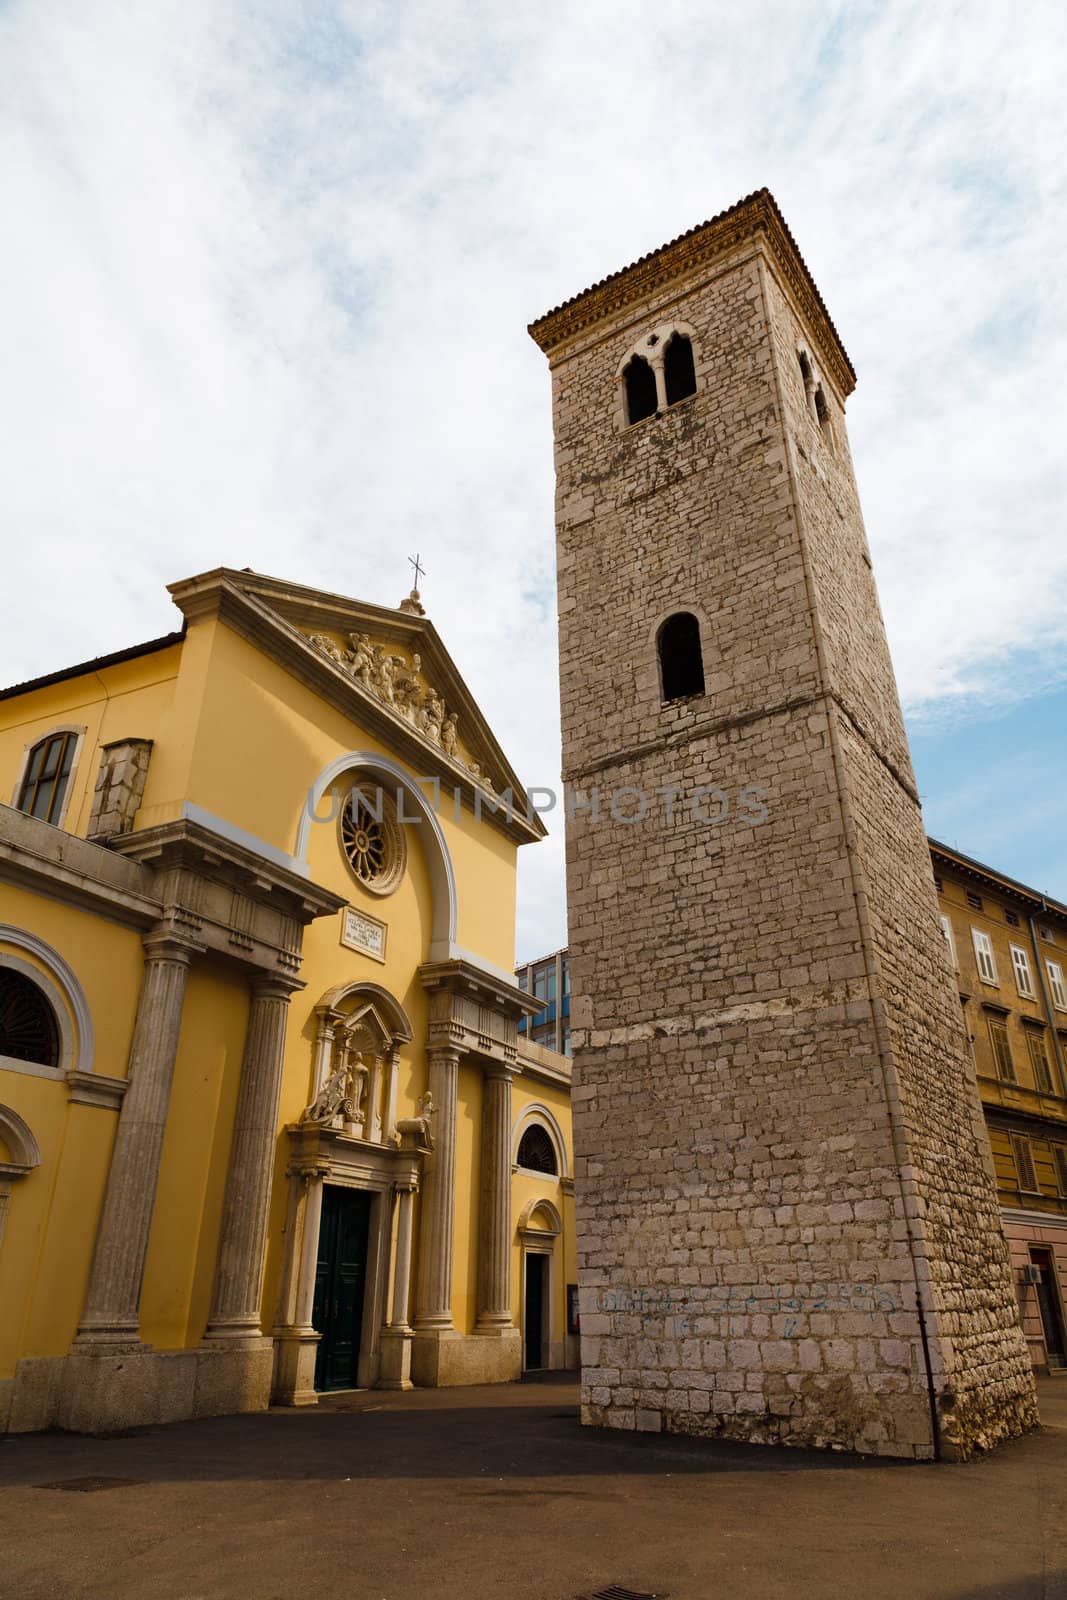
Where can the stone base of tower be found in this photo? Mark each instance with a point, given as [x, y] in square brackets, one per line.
[760, 1283]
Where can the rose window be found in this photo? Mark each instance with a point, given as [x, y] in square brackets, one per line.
[373, 843]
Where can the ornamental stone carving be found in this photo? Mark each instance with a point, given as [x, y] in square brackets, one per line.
[400, 684]
[419, 1128]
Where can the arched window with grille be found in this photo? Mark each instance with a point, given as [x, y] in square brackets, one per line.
[536, 1152]
[679, 373]
[681, 661]
[640, 390]
[46, 779]
[29, 1030]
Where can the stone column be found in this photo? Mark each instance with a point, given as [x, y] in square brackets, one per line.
[433, 1299]
[391, 1086]
[323, 1046]
[297, 1341]
[396, 1335]
[235, 1307]
[113, 1297]
[373, 1123]
[494, 1219]
[402, 1270]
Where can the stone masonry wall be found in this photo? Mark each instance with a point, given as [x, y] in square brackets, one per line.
[748, 1236]
[984, 1389]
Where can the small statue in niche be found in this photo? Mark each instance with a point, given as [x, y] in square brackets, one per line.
[449, 734]
[420, 1125]
[332, 1098]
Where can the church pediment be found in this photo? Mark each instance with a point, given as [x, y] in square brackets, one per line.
[388, 669]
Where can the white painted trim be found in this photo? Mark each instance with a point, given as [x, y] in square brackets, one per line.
[438, 860]
[66, 995]
[530, 1210]
[536, 1112]
[456, 952]
[240, 836]
[19, 1138]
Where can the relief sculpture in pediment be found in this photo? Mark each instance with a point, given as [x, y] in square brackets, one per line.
[399, 683]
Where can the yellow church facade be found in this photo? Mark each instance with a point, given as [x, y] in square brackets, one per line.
[267, 1124]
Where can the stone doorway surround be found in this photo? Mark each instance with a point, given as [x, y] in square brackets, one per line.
[391, 1175]
[540, 1225]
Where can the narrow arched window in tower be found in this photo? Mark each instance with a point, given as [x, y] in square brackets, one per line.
[679, 373]
[681, 664]
[806, 374]
[822, 413]
[640, 390]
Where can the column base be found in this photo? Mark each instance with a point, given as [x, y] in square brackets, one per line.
[233, 1375]
[443, 1358]
[295, 1353]
[395, 1369]
[105, 1389]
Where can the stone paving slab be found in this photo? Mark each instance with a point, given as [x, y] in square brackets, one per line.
[494, 1492]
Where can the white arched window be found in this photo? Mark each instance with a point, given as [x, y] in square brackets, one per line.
[44, 784]
[538, 1145]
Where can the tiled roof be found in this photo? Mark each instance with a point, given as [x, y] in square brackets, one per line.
[763, 195]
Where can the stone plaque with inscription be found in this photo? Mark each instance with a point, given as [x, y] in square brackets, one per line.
[363, 933]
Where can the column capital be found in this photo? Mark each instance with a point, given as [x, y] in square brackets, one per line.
[503, 1070]
[274, 986]
[163, 944]
[446, 1054]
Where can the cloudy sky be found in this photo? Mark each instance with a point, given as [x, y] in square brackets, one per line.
[268, 268]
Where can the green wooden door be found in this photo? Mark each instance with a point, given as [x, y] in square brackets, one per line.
[339, 1284]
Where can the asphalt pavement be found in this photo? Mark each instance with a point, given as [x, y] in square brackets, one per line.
[499, 1494]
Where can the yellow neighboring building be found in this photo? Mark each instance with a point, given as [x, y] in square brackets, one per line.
[1008, 945]
[267, 1126]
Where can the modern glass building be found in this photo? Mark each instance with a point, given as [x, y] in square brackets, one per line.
[548, 979]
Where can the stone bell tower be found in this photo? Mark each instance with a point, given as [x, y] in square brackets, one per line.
[787, 1218]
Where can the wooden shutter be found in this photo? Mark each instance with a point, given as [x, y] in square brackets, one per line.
[1025, 1170]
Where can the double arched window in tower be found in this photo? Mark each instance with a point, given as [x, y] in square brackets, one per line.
[658, 373]
[815, 397]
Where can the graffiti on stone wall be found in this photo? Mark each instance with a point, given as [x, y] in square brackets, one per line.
[675, 1313]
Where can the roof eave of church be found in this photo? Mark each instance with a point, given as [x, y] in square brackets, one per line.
[250, 601]
[97, 664]
[756, 213]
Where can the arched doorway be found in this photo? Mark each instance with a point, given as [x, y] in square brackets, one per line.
[539, 1227]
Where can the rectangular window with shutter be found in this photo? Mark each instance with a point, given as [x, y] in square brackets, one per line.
[1025, 1171]
[983, 955]
[998, 1038]
[1039, 1061]
[1056, 984]
[950, 940]
[1020, 965]
[1059, 1156]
